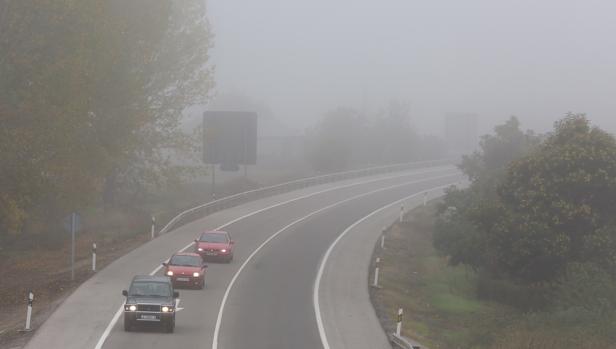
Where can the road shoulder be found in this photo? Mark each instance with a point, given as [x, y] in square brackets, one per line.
[348, 316]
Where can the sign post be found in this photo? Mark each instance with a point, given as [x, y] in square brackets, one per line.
[72, 224]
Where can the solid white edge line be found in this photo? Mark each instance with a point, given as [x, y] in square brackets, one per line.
[317, 281]
[110, 326]
[116, 317]
[236, 275]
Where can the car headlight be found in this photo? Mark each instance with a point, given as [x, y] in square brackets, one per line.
[166, 309]
[199, 249]
[195, 274]
[223, 250]
[130, 308]
[169, 273]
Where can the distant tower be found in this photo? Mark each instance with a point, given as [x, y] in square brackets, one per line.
[461, 133]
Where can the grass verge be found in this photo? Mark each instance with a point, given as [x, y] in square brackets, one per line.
[441, 307]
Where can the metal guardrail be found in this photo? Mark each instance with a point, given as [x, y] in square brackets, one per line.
[401, 342]
[251, 195]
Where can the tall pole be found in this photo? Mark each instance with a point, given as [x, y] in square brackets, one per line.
[73, 228]
[213, 181]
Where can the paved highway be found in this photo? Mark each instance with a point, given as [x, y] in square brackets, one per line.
[265, 298]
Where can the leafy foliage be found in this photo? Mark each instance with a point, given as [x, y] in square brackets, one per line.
[348, 138]
[91, 95]
[545, 218]
[559, 204]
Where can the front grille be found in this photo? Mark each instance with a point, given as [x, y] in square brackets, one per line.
[148, 307]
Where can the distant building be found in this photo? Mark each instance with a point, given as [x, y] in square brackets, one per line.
[461, 134]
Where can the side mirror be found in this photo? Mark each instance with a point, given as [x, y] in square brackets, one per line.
[164, 264]
[176, 294]
[125, 293]
[205, 265]
[196, 240]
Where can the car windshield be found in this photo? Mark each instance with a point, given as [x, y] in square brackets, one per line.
[150, 289]
[187, 261]
[212, 237]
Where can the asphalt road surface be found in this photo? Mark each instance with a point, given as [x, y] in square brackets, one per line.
[266, 297]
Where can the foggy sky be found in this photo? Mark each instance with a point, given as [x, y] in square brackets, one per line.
[534, 59]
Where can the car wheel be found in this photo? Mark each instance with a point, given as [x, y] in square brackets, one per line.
[127, 325]
[170, 326]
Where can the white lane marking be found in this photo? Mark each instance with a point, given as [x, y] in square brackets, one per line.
[317, 281]
[228, 290]
[177, 305]
[116, 317]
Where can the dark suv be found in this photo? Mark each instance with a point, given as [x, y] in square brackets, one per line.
[150, 299]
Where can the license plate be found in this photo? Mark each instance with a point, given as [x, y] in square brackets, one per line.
[210, 253]
[149, 317]
[183, 279]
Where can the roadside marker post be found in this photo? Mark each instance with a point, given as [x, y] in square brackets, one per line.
[376, 273]
[29, 312]
[153, 230]
[73, 230]
[399, 322]
[383, 241]
[94, 256]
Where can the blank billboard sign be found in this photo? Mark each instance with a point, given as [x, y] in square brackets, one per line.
[230, 138]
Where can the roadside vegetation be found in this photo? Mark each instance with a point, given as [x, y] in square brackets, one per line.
[92, 94]
[347, 138]
[91, 98]
[523, 257]
[442, 308]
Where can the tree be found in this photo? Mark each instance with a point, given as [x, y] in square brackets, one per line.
[346, 137]
[462, 235]
[558, 204]
[550, 208]
[508, 143]
[334, 141]
[91, 96]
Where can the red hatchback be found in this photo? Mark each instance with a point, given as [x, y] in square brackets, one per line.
[186, 269]
[215, 245]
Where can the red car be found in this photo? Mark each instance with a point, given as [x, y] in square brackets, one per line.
[186, 269]
[215, 245]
